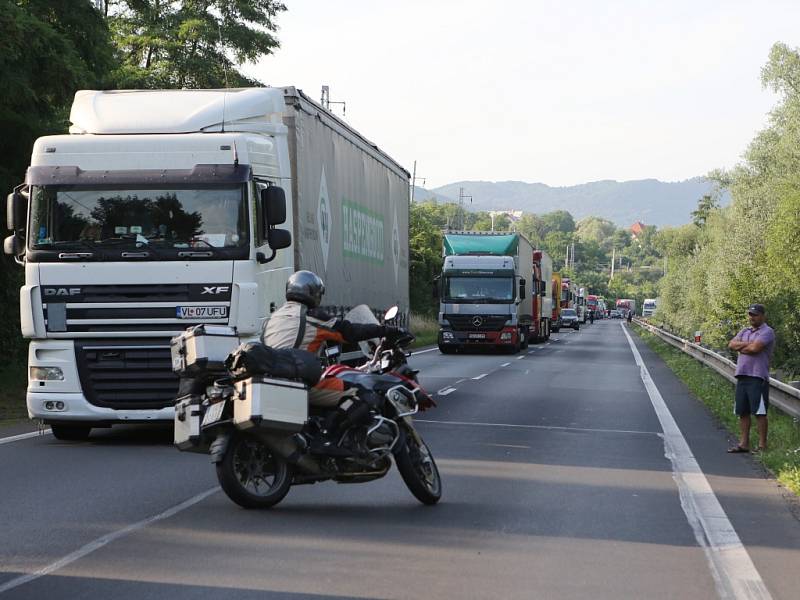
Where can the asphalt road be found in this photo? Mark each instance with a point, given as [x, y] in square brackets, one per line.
[556, 485]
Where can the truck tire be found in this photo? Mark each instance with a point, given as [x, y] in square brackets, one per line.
[446, 349]
[71, 433]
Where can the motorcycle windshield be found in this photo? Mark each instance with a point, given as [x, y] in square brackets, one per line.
[363, 315]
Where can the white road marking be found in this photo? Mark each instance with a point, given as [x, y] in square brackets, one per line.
[505, 364]
[520, 357]
[103, 540]
[527, 371]
[413, 352]
[733, 570]
[23, 436]
[548, 427]
[446, 391]
[508, 446]
[481, 376]
[460, 381]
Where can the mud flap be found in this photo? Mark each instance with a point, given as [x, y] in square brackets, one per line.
[218, 447]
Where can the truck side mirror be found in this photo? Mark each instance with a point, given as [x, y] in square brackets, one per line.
[522, 289]
[273, 199]
[16, 211]
[543, 291]
[279, 239]
[11, 245]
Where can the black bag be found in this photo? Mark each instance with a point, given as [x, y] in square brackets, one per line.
[254, 358]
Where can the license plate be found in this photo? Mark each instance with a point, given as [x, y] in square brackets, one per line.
[477, 336]
[201, 312]
[213, 413]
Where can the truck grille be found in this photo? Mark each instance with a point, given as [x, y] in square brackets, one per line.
[127, 374]
[477, 322]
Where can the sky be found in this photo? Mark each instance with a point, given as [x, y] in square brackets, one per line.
[554, 92]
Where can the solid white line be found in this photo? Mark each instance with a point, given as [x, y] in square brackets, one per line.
[23, 436]
[446, 391]
[103, 540]
[550, 427]
[730, 564]
[481, 376]
[505, 364]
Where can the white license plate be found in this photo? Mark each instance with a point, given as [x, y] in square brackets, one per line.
[213, 413]
[201, 312]
[477, 336]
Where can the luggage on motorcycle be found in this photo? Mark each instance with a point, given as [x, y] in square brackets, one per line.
[188, 417]
[256, 359]
[270, 404]
[202, 348]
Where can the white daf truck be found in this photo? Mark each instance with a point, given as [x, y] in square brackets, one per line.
[164, 209]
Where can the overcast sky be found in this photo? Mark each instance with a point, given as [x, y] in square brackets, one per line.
[553, 92]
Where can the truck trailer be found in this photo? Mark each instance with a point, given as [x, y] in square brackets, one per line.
[485, 300]
[555, 297]
[164, 209]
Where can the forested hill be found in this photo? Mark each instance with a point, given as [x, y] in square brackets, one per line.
[651, 201]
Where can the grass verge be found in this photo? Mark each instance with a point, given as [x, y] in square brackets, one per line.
[425, 328]
[12, 394]
[716, 392]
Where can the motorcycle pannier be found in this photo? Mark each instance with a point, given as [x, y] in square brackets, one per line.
[255, 359]
[202, 347]
[188, 415]
[270, 404]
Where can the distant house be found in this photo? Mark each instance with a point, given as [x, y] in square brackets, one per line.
[637, 229]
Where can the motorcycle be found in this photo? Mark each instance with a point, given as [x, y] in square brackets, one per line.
[260, 457]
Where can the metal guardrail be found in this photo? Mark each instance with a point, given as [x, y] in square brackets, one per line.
[781, 395]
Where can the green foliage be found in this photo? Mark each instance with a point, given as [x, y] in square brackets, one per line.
[746, 252]
[190, 43]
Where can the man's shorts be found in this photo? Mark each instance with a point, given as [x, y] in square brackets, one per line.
[752, 396]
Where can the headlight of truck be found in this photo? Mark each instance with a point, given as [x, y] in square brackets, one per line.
[46, 374]
[506, 335]
[447, 335]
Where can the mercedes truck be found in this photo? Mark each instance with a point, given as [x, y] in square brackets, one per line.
[164, 209]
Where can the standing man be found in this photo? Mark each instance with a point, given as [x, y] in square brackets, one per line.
[755, 345]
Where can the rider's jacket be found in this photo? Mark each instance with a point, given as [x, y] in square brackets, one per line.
[295, 326]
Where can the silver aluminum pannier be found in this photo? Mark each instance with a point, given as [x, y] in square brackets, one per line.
[270, 403]
[202, 348]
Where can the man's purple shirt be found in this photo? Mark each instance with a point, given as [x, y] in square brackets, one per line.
[756, 365]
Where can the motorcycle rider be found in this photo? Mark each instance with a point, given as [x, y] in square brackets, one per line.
[300, 323]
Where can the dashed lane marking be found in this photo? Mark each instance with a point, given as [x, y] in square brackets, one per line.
[446, 391]
[520, 357]
[23, 436]
[546, 427]
[481, 376]
[733, 570]
[104, 540]
[505, 364]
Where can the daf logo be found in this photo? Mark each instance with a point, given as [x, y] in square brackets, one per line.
[215, 289]
[62, 291]
[477, 321]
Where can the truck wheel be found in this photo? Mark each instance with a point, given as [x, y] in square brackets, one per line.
[71, 433]
[446, 349]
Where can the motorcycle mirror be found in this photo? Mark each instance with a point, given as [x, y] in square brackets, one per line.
[391, 313]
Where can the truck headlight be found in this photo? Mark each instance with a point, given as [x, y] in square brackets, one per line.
[447, 335]
[505, 336]
[46, 374]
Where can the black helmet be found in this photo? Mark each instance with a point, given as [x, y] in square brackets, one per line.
[305, 287]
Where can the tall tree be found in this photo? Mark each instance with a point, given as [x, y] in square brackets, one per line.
[190, 43]
[705, 205]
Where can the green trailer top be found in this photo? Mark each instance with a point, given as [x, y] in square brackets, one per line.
[456, 244]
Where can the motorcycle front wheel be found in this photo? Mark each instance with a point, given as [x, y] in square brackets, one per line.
[418, 469]
[251, 474]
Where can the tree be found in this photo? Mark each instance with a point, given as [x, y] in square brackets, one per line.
[558, 220]
[190, 43]
[705, 205]
[595, 229]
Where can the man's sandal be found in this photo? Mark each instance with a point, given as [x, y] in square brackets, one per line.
[738, 450]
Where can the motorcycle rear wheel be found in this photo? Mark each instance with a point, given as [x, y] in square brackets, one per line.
[252, 475]
[418, 469]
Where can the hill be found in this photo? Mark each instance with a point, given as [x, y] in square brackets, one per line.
[651, 201]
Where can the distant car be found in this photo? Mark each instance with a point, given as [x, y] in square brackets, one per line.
[569, 318]
[615, 314]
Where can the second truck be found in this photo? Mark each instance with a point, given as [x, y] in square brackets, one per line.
[493, 292]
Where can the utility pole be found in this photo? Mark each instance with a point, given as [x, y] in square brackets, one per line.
[414, 179]
[460, 213]
[613, 258]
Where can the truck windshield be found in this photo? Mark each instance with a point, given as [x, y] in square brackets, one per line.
[479, 289]
[173, 217]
